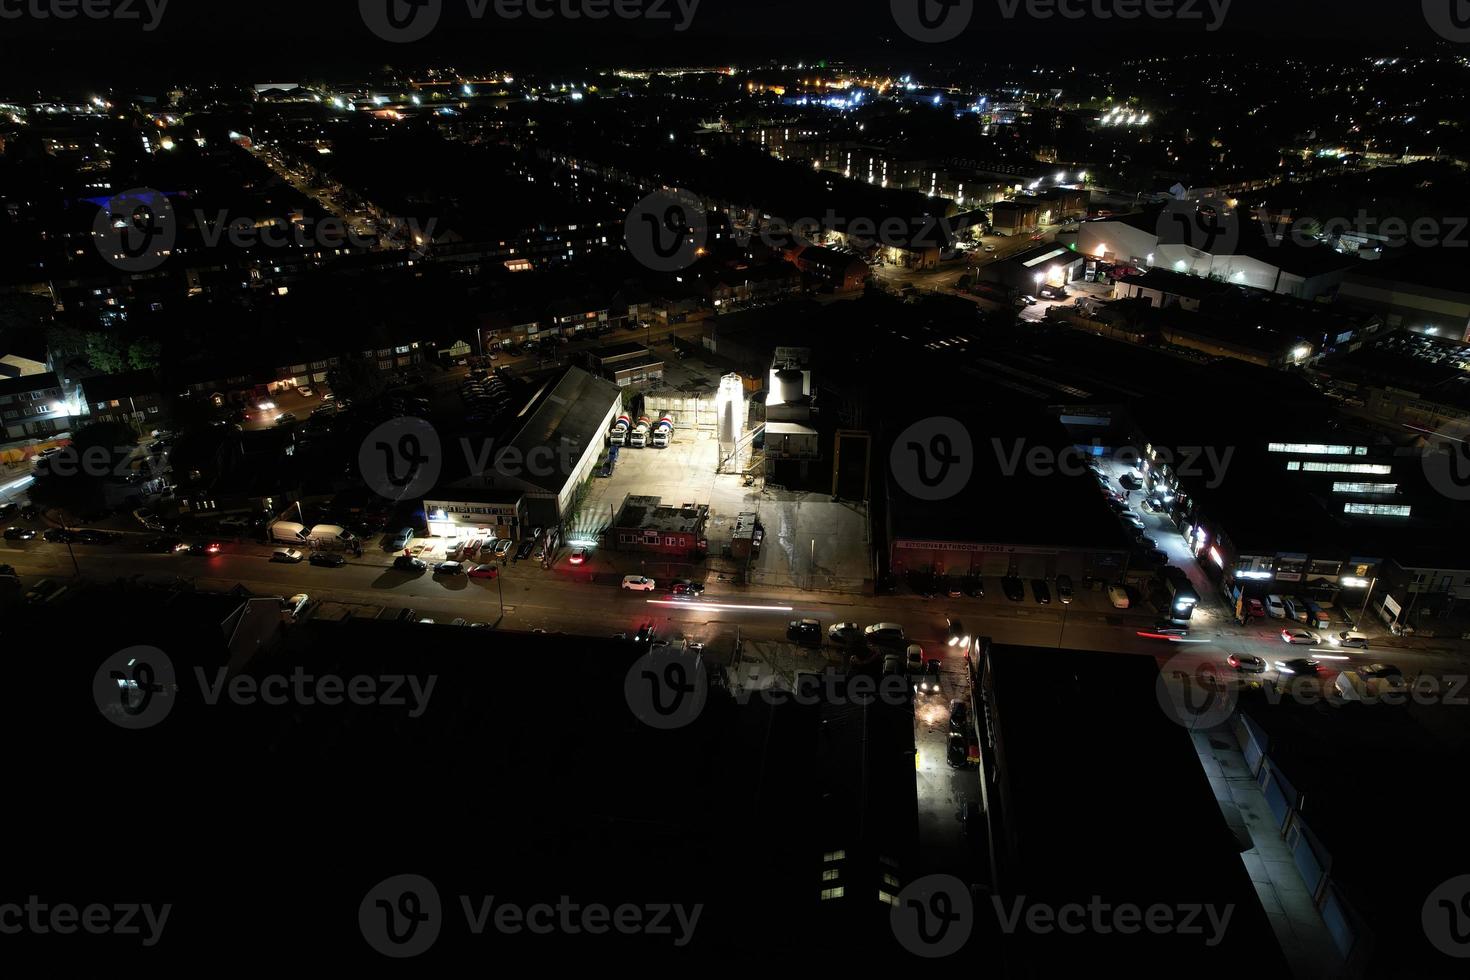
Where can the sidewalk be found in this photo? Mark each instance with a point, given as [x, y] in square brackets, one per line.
[1300, 931]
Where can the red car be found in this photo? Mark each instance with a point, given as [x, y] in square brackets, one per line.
[484, 571]
[579, 555]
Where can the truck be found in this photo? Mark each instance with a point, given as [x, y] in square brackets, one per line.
[639, 438]
[288, 532]
[663, 432]
[618, 434]
[331, 536]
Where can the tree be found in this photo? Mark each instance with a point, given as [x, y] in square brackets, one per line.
[72, 481]
[143, 355]
[105, 352]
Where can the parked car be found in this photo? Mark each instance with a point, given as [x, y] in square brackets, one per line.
[502, 547]
[954, 752]
[1064, 588]
[524, 551]
[58, 535]
[1118, 596]
[400, 540]
[959, 716]
[19, 534]
[913, 659]
[327, 559]
[1305, 637]
[1040, 590]
[449, 568]
[1348, 638]
[638, 583]
[8, 508]
[1247, 663]
[974, 586]
[1013, 588]
[484, 571]
[884, 632]
[1275, 608]
[1134, 521]
[288, 555]
[807, 632]
[285, 418]
[1380, 670]
[686, 587]
[93, 536]
[1156, 557]
[408, 563]
[844, 632]
[952, 587]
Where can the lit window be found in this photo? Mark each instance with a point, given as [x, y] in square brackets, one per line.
[834, 856]
[831, 874]
[1384, 510]
[1364, 469]
[886, 898]
[837, 892]
[1350, 487]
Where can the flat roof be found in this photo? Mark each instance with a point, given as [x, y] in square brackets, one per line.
[569, 409]
[1101, 793]
[651, 514]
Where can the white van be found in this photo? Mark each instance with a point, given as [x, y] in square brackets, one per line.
[1118, 596]
[1275, 608]
[288, 531]
[331, 536]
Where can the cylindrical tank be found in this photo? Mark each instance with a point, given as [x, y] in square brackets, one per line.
[664, 424]
[789, 386]
[730, 408]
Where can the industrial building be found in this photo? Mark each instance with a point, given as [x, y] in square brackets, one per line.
[627, 365]
[646, 524]
[1153, 836]
[550, 448]
[1030, 271]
